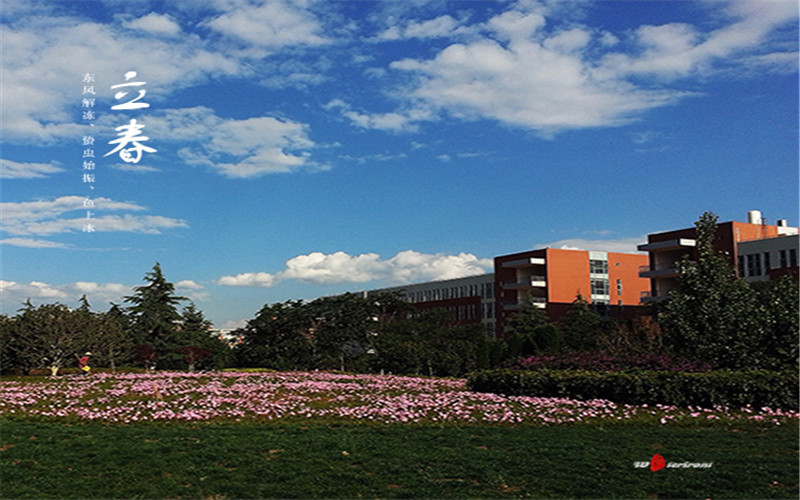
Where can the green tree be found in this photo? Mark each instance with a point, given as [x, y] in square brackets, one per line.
[278, 337]
[200, 349]
[48, 336]
[779, 320]
[581, 327]
[712, 315]
[530, 332]
[155, 316]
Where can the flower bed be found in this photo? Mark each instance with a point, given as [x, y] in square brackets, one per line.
[321, 397]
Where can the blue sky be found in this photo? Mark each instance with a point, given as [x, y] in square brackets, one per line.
[307, 148]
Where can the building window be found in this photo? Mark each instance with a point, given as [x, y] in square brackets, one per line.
[767, 265]
[598, 266]
[784, 260]
[792, 257]
[599, 287]
[754, 264]
[741, 266]
[619, 287]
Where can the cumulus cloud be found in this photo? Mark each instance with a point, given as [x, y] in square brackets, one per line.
[69, 293]
[45, 217]
[64, 47]
[340, 267]
[153, 23]
[99, 295]
[269, 24]
[244, 148]
[537, 71]
[15, 170]
[249, 279]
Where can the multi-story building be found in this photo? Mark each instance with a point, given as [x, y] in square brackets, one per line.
[733, 239]
[551, 278]
[468, 300]
[768, 259]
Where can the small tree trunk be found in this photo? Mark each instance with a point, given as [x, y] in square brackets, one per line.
[53, 370]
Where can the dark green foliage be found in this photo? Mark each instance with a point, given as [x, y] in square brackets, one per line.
[530, 332]
[199, 349]
[362, 334]
[155, 317]
[734, 389]
[721, 319]
[581, 327]
[278, 337]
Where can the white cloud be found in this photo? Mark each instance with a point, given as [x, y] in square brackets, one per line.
[64, 48]
[45, 217]
[32, 243]
[15, 170]
[249, 279]
[340, 267]
[530, 73]
[623, 245]
[442, 26]
[402, 121]
[153, 23]
[235, 148]
[98, 294]
[271, 24]
[188, 285]
[679, 50]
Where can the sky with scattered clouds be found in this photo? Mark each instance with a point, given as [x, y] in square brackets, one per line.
[295, 149]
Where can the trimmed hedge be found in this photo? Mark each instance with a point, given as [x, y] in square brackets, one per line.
[727, 388]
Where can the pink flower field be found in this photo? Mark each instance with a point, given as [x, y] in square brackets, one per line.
[323, 397]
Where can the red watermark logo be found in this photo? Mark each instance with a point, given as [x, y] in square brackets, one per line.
[658, 462]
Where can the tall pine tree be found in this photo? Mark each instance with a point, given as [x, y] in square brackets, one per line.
[155, 317]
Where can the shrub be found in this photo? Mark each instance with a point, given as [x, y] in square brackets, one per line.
[733, 389]
[600, 362]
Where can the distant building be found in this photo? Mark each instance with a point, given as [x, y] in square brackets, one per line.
[752, 248]
[468, 300]
[768, 259]
[551, 278]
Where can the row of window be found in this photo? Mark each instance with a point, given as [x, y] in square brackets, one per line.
[483, 290]
[759, 264]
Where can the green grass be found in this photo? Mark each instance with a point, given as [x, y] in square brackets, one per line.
[93, 460]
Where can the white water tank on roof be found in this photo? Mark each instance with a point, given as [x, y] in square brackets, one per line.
[754, 216]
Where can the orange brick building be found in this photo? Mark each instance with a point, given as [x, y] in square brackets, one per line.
[553, 278]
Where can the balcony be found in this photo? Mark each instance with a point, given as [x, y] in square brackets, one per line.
[648, 296]
[661, 246]
[539, 302]
[665, 272]
[531, 282]
[533, 261]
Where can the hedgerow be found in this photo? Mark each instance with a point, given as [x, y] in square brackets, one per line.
[725, 388]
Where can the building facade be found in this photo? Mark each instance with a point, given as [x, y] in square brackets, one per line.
[732, 239]
[551, 278]
[468, 300]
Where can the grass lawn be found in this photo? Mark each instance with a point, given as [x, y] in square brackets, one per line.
[51, 459]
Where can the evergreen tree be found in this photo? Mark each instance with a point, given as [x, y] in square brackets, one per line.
[581, 327]
[713, 314]
[155, 316]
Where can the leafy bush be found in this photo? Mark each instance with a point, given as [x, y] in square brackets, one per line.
[733, 389]
[600, 362]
